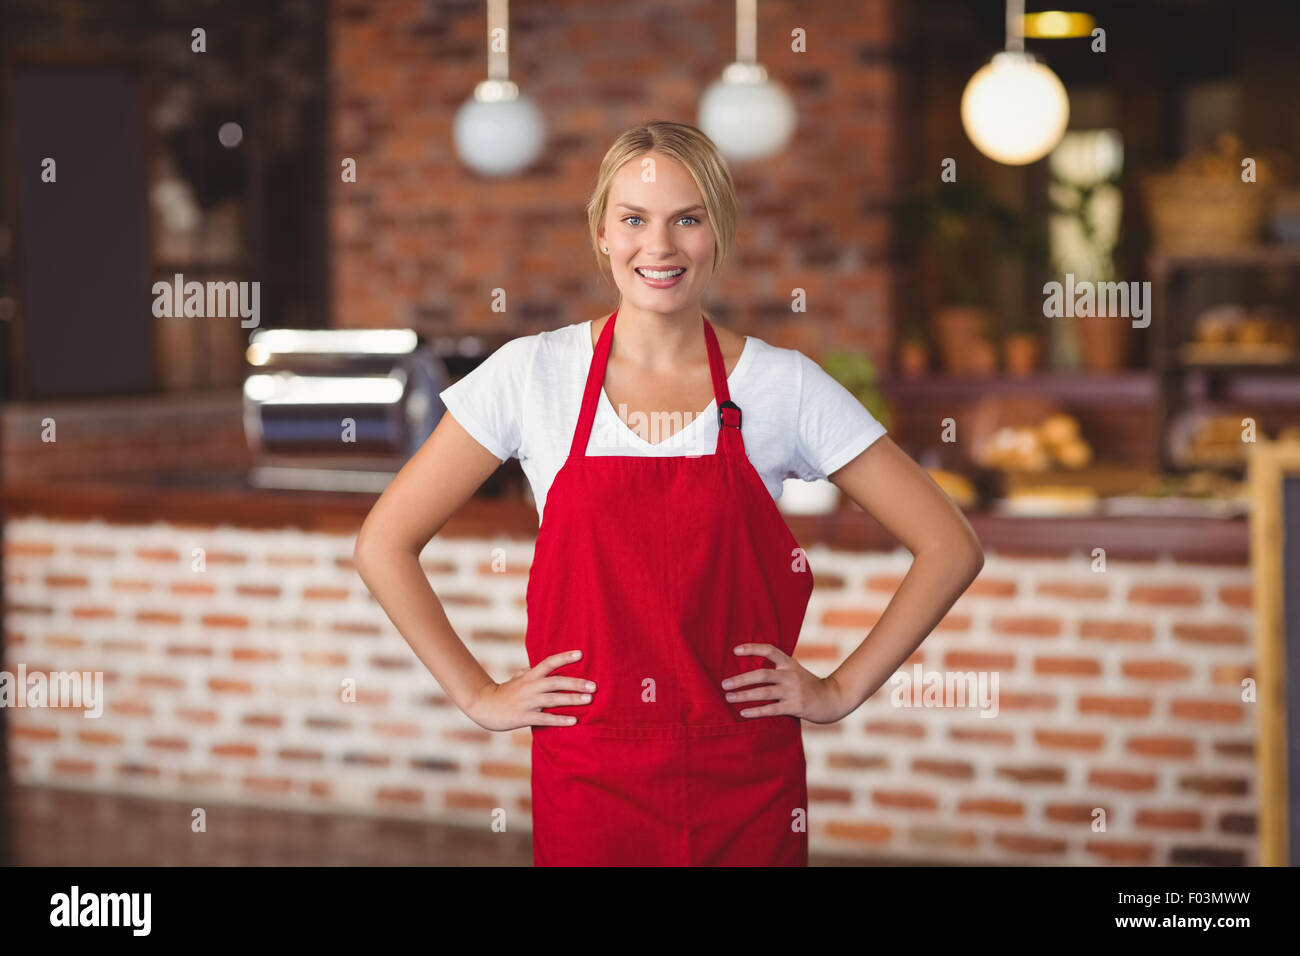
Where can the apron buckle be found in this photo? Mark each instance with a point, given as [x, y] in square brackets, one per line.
[728, 404]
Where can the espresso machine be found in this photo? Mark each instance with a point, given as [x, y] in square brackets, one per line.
[343, 409]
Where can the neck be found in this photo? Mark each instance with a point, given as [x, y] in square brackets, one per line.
[659, 341]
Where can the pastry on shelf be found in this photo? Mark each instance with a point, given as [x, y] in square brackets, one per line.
[1015, 447]
[1075, 453]
[1254, 330]
[955, 486]
[1196, 494]
[1218, 325]
[1209, 437]
[1022, 434]
[1234, 334]
[1051, 500]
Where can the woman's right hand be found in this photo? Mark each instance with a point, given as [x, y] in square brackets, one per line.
[519, 702]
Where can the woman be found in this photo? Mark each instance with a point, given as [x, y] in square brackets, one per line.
[666, 593]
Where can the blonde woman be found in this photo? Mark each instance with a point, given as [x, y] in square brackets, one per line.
[666, 593]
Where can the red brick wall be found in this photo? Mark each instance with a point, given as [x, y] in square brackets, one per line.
[421, 241]
[1118, 690]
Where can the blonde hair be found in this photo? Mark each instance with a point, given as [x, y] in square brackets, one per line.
[702, 159]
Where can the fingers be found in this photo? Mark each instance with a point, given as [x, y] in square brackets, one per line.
[535, 718]
[548, 664]
[536, 691]
[579, 684]
[758, 693]
[770, 651]
[767, 710]
[559, 700]
[777, 689]
[759, 675]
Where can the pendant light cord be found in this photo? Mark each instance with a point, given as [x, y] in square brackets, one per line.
[1016, 25]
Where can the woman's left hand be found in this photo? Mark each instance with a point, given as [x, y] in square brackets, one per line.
[791, 687]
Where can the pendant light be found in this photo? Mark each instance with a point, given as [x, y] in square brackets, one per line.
[1057, 25]
[1014, 109]
[745, 113]
[499, 131]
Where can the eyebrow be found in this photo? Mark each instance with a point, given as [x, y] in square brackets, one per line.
[677, 213]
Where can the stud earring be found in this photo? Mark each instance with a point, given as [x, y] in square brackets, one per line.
[604, 249]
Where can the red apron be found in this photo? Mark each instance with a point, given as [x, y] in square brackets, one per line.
[655, 568]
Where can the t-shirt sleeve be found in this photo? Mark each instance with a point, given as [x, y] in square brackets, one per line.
[488, 402]
[832, 426]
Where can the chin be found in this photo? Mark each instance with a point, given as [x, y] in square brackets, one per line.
[661, 304]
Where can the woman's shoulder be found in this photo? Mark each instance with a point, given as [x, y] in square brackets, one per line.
[786, 374]
[549, 354]
[772, 358]
[792, 359]
[525, 348]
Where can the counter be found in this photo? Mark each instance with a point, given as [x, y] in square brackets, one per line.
[245, 661]
[228, 498]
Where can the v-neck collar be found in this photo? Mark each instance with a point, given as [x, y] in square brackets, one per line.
[677, 436]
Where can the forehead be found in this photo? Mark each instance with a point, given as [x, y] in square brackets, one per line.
[654, 179]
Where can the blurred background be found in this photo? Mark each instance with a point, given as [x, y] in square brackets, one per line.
[243, 246]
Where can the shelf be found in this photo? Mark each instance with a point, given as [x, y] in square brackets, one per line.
[1234, 469]
[1073, 387]
[200, 266]
[1229, 380]
[1278, 254]
[1262, 368]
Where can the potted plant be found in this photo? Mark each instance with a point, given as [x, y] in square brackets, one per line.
[1026, 241]
[963, 229]
[857, 373]
[913, 353]
[983, 358]
[1023, 345]
[1102, 338]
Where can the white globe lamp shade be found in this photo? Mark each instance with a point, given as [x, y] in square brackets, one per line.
[746, 114]
[1015, 109]
[498, 131]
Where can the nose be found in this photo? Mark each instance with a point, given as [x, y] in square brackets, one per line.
[660, 241]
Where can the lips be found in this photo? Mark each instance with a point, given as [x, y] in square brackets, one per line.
[658, 269]
[663, 283]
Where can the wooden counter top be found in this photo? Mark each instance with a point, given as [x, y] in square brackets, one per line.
[228, 499]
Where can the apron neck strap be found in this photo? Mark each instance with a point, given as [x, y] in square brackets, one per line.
[729, 440]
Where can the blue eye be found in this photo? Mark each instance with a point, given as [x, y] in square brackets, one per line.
[626, 218]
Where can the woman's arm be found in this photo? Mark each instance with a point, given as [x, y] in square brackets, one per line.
[440, 477]
[947, 558]
[899, 494]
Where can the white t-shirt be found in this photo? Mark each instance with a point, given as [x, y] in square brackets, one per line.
[523, 401]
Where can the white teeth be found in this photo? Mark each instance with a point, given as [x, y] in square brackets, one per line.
[655, 274]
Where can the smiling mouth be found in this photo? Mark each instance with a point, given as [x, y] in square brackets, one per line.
[660, 274]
